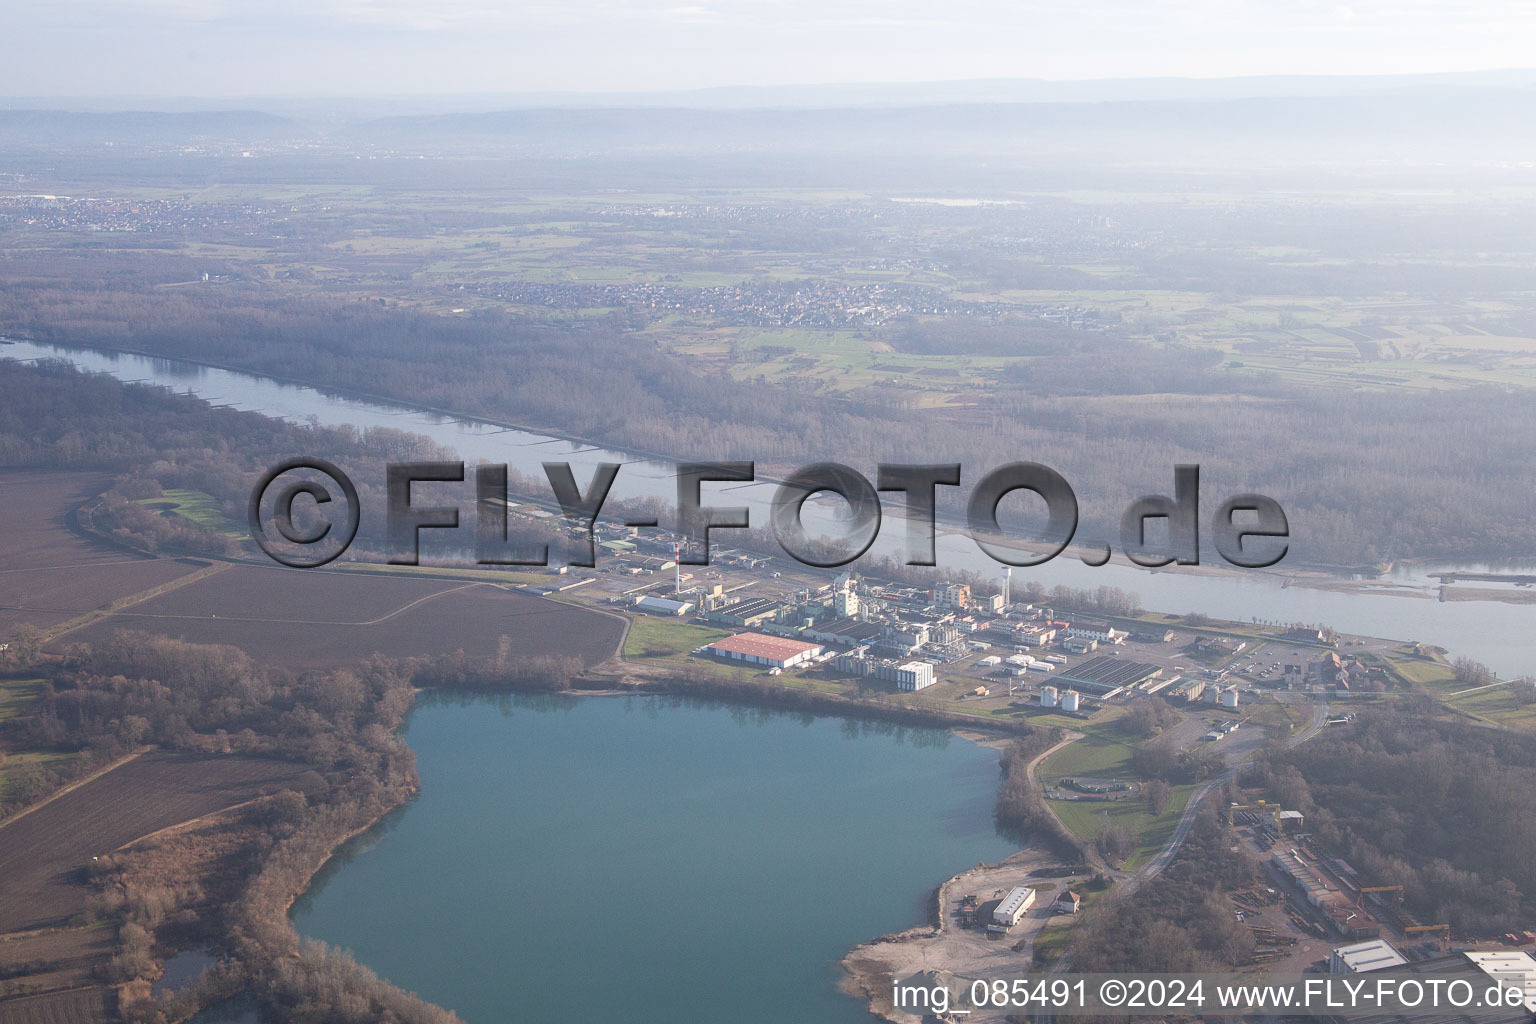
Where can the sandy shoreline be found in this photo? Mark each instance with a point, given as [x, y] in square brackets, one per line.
[945, 949]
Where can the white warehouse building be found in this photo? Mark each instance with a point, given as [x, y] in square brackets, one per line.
[1013, 906]
[1364, 956]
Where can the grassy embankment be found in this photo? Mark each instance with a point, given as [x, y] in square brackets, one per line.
[1105, 752]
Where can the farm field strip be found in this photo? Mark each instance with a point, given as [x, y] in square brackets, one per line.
[50, 574]
[396, 617]
[75, 1006]
[309, 622]
[41, 850]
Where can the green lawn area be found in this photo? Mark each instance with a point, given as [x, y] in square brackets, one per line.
[654, 638]
[200, 507]
[16, 692]
[651, 636]
[1432, 674]
[46, 759]
[1087, 818]
[1103, 752]
[1500, 705]
[1044, 717]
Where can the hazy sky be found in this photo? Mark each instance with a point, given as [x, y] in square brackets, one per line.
[352, 47]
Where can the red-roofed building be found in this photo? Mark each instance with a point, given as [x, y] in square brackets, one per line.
[761, 649]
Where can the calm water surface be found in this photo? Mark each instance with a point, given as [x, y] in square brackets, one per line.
[642, 859]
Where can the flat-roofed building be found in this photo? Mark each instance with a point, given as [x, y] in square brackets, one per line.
[913, 675]
[663, 606]
[1475, 970]
[1364, 956]
[1008, 912]
[1510, 965]
[746, 612]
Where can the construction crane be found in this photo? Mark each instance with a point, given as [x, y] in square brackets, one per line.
[1384, 888]
[1263, 807]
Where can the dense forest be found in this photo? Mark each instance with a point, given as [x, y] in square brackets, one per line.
[1441, 806]
[1182, 920]
[1365, 477]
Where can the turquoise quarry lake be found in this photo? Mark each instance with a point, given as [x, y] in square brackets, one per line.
[646, 859]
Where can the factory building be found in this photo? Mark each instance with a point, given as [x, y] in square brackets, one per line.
[746, 612]
[913, 676]
[760, 649]
[1475, 970]
[846, 631]
[1008, 912]
[663, 606]
[1364, 956]
[1317, 890]
[1508, 965]
[1105, 676]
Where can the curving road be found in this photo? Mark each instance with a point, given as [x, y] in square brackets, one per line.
[1127, 882]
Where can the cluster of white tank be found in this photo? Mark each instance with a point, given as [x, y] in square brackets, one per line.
[1050, 697]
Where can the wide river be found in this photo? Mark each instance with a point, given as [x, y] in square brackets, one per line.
[641, 859]
[1497, 633]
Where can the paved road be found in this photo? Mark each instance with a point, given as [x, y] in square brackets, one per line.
[1165, 856]
[1127, 882]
